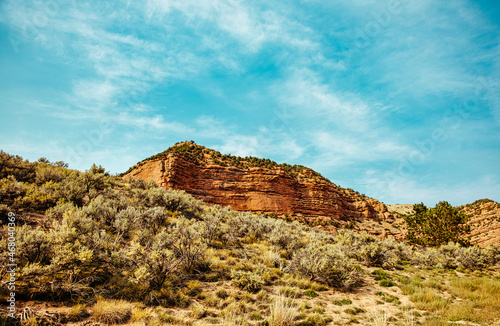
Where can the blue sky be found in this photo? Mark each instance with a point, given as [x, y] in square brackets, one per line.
[398, 99]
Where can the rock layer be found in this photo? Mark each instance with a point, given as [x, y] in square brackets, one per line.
[259, 189]
[484, 222]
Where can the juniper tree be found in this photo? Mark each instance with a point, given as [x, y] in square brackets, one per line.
[436, 226]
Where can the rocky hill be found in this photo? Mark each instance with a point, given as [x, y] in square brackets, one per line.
[261, 185]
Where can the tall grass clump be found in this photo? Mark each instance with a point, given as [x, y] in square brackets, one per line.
[379, 319]
[112, 311]
[283, 312]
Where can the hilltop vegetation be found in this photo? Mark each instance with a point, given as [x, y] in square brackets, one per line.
[116, 251]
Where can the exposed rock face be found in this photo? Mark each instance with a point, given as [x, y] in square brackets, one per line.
[258, 188]
[484, 222]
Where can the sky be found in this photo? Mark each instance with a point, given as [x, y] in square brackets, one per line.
[397, 99]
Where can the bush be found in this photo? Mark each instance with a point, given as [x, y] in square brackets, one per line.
[154, 263]
[10, 189]
[213, 229]
[474, 258]
[194, 288]
[33, 245]
[289, 292]
[366, 248]
[453, 255]
[179, 201]
[327, 265]
[284, 237]
[246, 224]
[248, 281]
[35, 198]
[15, 166]
[47, 172]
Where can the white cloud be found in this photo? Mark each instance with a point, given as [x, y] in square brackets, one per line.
[156, 123]
[241, 146]
[311, 98]
[339, 149]
[251, 26]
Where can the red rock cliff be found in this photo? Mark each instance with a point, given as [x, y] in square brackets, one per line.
[257, 188]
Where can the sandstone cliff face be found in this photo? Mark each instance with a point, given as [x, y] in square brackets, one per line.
[258, 189]
[484, 222]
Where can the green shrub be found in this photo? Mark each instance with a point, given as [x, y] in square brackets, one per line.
[248, 281]
[33, 245]
[342, 302]
[284, 237]
[315, 319]
[387, 283]
[15, 166]
[47, 172]
[255, 315]
[310, 293]
[36, 198]
[372, 251]
[380, 275]
[11, 189]
[354, 311]
[328, 265]
[474, 258]
[388, 297]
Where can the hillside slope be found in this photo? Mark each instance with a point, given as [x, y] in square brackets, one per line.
[93, 249]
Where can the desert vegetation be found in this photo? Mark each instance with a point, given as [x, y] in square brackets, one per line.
[92, 247]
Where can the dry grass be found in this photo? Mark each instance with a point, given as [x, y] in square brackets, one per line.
[112, 311]
[379, 319]
[78, 312]
[426, 299]
[480, 299]
[282, 312]
[408, 317]
[231, 318]
[467, 299]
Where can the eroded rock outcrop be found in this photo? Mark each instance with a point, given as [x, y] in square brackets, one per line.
[244, 185]
[484, 222]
